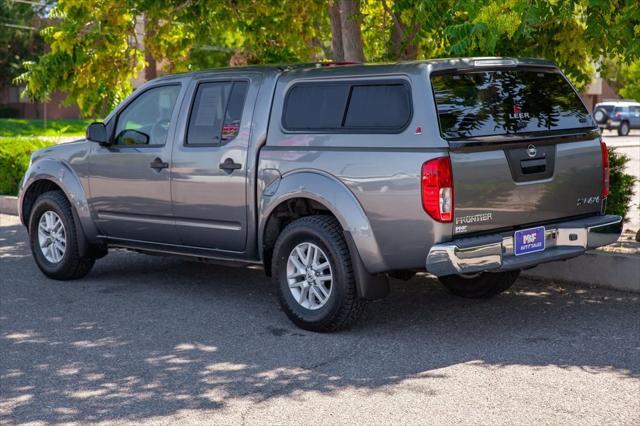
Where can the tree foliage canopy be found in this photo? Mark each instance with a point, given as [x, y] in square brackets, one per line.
[98, 46]
[19, 40]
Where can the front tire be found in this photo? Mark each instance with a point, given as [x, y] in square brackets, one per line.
[623, 130]
[53, 238]
[311, 268]
[480, 286]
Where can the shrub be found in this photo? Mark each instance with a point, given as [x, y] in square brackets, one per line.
[8, 112]
[620, 184]
[14, 160]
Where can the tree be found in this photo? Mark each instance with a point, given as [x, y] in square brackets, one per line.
[631, 87]
[20, 39]
[265, 31]
[625, 77]
[346, 33]
[97, 46]
[574, 33]
[91, 58]
[337, 49]
[571, 33]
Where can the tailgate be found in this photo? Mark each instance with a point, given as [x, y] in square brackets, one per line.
[523, 148]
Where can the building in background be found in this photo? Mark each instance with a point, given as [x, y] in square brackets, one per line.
[597, 91]
[12, 106]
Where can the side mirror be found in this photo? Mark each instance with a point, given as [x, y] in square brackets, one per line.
[97, 132]
[132, 137]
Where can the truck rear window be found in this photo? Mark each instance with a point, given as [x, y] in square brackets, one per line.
[506, 102]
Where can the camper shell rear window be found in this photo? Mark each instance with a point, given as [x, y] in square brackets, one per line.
[480, 103]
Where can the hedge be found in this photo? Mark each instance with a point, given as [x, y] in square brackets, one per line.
[14, 160]
[620, 184]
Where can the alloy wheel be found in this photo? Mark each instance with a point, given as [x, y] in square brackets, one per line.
[52, 236]
[309, 276]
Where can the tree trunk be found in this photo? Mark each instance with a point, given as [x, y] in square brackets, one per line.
[151, 68]
[336, 32]
[351, 32]
[402, 43]
[395, 42]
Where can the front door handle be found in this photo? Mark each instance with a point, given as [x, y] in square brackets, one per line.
[157, 164]
[229, 166]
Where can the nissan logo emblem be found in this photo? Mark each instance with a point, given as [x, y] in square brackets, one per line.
[532, 151]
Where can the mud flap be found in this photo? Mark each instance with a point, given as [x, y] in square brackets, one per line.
[86, 249]
[370, 286]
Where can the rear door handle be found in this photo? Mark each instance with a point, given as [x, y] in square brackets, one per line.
[229, 166]
[157, 164]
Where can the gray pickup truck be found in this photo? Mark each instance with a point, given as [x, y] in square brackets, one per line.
[334, 178]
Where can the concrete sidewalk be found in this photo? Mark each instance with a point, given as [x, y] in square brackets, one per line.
[595, 268]
[9, 205]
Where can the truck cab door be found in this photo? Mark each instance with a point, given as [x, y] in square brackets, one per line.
[129, 180]
[209, 169]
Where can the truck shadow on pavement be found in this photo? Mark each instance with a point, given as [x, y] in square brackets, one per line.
[142, 337]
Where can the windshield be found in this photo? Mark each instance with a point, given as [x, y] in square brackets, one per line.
[506, 102]
[607, 108]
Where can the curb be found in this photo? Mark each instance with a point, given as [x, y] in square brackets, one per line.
[618, 271]
[9, 204]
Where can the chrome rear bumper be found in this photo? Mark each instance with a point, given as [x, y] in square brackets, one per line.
[494, 252]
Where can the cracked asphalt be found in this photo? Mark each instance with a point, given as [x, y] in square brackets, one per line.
[147, 339]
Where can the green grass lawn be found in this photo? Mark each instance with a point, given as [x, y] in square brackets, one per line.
[12, 127]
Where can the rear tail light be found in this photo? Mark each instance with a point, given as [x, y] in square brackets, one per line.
[605, 169]
[437, 189]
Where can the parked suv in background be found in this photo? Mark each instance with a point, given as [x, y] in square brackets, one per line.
[621, 115]
[334, 178]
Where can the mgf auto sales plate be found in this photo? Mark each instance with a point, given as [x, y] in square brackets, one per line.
[528, 241]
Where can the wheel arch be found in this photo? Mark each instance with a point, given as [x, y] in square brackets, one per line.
[50, 174]
[31, 194]
[321, 192]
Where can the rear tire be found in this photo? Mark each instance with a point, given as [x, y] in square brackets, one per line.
[55, 247]
[623, 130]
[298, 277]
[481, 286]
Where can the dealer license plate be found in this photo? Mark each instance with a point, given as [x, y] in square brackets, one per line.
[528, 241]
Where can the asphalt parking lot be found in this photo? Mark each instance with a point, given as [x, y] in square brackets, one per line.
[152, 339]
